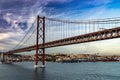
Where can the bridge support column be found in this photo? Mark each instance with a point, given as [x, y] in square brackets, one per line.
[40, 35]
[2, 57]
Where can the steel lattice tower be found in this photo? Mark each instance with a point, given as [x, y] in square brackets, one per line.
[40, 36]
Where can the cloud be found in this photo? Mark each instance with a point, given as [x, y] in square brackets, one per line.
[16, 23]
[19, 21]
[17, 16]
[4, 36]
[2, 46]
[6, 40]
[7, 17]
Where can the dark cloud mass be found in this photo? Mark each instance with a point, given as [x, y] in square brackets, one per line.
[16, 4]
[23, 25]
[4, 24]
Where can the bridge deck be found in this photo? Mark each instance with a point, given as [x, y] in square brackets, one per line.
[95, 36]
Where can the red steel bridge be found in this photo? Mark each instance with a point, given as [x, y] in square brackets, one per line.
[50, 32]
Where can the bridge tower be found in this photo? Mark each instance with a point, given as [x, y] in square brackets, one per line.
[40, 36]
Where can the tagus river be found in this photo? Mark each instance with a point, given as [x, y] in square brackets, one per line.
[61, 71]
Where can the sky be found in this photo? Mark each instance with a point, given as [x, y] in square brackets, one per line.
[17, 16]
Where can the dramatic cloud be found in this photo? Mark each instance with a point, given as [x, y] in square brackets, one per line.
[17, 16]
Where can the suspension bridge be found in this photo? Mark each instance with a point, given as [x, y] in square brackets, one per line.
[50, 32]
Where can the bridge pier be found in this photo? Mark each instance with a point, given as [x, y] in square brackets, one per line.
[5, 58]
[2, 58]
[40, 35]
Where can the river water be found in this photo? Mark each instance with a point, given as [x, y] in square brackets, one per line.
[61, 71]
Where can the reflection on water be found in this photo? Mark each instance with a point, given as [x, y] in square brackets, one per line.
[39, 74]
[61, 71]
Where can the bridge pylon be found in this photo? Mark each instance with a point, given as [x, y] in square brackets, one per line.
[40, 36]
